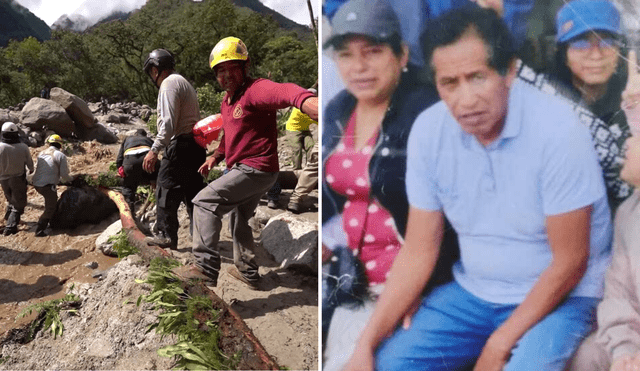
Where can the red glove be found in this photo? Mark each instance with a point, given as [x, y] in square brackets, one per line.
[121, 173]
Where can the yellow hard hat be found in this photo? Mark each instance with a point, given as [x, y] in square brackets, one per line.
[228, 49]
[54, 138]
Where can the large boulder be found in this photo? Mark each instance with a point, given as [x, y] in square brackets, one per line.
[80, 205]
[293, 242]
[39, 113]
[98, 132]
[77, 109]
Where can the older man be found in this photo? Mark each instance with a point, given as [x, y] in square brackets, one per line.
[516, 174]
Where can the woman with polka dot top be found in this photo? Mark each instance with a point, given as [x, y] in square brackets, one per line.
[365, 131]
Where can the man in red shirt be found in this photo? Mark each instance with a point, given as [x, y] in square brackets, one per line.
[249, 147]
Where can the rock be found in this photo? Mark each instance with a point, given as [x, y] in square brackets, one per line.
[37, 136]
[145, 113]
[95, 107]
[137, 122]
[124, 118]
[77, 109]
[79, 205]
[99, 133]
[102, 242]
[293, 242]
[5, 116]
[111, 117]
[92, 265]
[39, 113]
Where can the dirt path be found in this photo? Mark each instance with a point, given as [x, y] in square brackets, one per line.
[284, 317]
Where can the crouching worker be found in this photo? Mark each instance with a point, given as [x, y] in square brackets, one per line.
[14, 156]
[249, 147]
[129, 163]
[50, 169]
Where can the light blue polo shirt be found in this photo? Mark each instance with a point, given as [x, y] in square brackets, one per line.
[497, 197]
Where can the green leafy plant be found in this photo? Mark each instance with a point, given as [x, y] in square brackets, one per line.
[209, 100]
[152, 124]
[146, 192]
[122, 246]
[107, 180]
[191, 318]
[49, 314]
[213, 175]
[113, 167]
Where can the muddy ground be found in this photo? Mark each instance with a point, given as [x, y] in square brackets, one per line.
[109, 330]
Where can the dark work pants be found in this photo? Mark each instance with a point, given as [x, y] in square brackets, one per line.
[178, 181]
[15, 191]
[50, 194]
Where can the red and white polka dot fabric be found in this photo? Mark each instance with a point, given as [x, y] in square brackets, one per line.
[369, 226]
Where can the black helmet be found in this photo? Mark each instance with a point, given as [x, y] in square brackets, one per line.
[162, 59]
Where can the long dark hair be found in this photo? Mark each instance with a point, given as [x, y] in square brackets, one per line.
[616, 83]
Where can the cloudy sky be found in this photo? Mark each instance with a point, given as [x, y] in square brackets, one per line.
[50, 10]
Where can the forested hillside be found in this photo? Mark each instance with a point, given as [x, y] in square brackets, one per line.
[16, 22]
[107, 59]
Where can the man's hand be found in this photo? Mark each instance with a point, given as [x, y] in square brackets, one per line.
[149, 163]
[207, 166]
[310, 107]
[495, 354]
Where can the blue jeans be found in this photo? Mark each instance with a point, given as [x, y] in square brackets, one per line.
[451, 327]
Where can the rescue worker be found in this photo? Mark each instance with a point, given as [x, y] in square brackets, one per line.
[129, 162]
[249, 148]
[178, 177]
[51, 167]
[298, 124]
[14, 157]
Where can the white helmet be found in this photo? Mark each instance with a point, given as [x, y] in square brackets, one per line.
[9, 127]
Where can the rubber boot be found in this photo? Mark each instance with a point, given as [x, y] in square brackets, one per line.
[12, 223]
[41, 227]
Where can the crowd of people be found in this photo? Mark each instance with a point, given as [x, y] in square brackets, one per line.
[468, 199]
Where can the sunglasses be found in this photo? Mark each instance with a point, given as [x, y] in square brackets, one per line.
[603, 43]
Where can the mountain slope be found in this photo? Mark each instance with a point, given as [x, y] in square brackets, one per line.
[17, 22]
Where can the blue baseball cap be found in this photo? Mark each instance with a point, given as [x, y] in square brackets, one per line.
[580, 16]
[372, 18]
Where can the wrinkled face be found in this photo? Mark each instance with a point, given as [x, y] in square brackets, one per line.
[475, 93]
[230, 75]
[630, 172]
[370, 71]
[593, 58]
